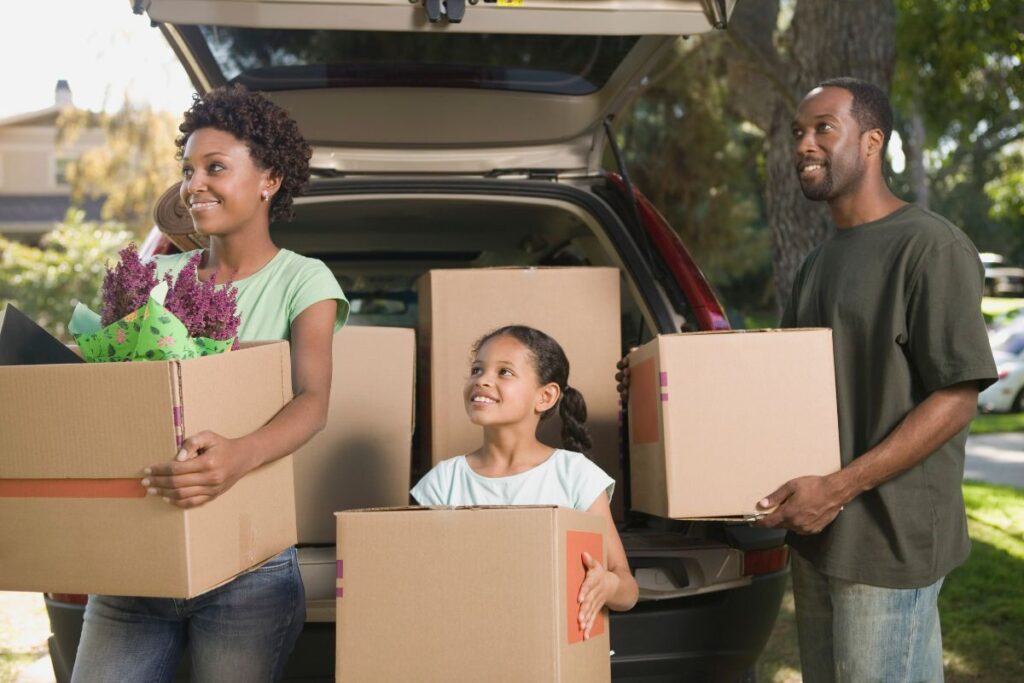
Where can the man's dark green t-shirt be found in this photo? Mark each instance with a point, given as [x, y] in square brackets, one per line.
[903, 298]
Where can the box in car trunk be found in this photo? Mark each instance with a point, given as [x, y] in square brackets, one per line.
[74, 517]
[467, 594]
[579, 307]
[363, 456]
[718, 420]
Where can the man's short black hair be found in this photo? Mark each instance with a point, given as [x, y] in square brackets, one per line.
[870, 106]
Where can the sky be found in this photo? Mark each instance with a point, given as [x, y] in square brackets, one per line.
[100, 47]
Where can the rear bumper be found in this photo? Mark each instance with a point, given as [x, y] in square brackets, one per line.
[712, 637]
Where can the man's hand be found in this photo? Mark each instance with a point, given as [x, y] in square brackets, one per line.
[805, 505]
[206, 466]
[598, 586]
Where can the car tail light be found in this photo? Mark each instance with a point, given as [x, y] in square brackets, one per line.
[706, 308]
[68, 598]
[765, 561]
[1003, 374]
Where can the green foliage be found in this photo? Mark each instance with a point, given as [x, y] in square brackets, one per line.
[131, 169]
[960, 67]
[703, 167]
[46, 282]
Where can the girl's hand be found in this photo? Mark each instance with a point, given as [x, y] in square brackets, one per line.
[599, 585]
[206, 466]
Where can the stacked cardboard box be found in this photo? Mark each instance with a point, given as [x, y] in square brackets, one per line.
[578, 307]
[466, 594]
[362, 458]
[719, 420]
[74, 440]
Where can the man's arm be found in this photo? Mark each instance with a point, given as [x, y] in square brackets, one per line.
[807, 505]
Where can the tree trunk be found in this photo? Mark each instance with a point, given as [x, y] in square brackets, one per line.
[913, 151]
[825, 39]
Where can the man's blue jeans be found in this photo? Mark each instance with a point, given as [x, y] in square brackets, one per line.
[855, 633]
[240, 632]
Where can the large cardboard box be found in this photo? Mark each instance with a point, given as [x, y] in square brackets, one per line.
[363, 456]
[718, 420]
[74, 440]
[467, 595]
[579, 307]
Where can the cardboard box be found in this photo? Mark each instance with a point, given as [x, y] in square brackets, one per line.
[718, 420]
[466, 594]
[74, 440]
[579, 307]
[363, 456]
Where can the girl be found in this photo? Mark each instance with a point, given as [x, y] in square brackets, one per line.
[519, 376]
[242, 161]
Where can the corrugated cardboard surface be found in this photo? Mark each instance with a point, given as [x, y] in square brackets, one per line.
[578, 307]
[362, 458]
[738, 414]
[110, 421]
[452, 595]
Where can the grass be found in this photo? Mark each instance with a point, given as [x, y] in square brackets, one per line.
[981, 604]
[989, 423]
[993, 306]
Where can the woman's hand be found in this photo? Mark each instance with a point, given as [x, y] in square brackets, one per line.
[598, 586]
[206, 466]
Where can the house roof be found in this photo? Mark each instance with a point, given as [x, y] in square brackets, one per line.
[42, 208]
[42, 117]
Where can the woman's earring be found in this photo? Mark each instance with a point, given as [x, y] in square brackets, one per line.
[264, 196]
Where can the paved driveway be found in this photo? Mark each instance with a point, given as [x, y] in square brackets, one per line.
[996, 458]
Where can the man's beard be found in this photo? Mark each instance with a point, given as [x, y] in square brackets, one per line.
[819, 191]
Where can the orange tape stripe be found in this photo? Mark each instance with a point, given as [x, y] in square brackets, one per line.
[71, 488]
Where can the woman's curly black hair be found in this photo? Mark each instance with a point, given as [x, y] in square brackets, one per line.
[272, 136]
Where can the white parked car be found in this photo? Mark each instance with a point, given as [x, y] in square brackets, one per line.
[1007, 394]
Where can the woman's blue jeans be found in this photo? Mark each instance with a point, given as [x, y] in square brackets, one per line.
[240, 632]
[855, 633]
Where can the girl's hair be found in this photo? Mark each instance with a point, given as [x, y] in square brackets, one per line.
[272, 136]
[551, 365]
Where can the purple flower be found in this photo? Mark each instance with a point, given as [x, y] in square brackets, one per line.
[206, 309]
[127, 286]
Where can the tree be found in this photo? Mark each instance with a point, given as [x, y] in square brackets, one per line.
[698, 163]
[771, 68]
[958, 96]
[133, 167]
[48, 281]
[693, 129]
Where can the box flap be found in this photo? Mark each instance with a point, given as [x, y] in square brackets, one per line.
[235, 393]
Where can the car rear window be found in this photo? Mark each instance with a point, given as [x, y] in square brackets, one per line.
[278, 59]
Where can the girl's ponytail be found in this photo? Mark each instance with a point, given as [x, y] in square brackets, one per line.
[573, 411]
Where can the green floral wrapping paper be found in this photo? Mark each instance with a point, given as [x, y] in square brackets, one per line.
[150, 333]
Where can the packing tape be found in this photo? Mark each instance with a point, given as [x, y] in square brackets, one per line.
[71, 488]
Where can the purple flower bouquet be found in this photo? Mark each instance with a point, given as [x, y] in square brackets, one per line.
[146, 319]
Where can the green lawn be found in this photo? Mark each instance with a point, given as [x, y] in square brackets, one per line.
[992, 306]
[982, 602]
[998, 422]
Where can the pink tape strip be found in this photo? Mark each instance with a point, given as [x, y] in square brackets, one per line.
[663, 378]
[664, 397]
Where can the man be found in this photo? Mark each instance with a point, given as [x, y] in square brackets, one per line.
[901, 288]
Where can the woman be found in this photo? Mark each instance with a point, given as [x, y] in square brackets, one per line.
[243, 160]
